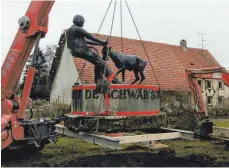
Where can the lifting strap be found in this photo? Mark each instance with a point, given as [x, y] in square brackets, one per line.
[100, 103]
[157, 82]
[99, 109]
[121, 25]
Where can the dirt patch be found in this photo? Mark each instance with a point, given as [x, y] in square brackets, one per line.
[129, 159]
[75, 152]
[145, 159]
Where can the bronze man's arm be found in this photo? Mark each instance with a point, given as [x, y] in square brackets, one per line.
[89, 36]
[91, 42]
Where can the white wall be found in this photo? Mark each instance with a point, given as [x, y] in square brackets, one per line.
[66, 76]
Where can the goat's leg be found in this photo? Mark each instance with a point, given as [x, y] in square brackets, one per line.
[136, 77]
[123, 75]
[143, 77]
[120, 70]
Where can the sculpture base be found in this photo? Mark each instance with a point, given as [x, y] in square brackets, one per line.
[114, 123]
[121, 100]
[124, 108]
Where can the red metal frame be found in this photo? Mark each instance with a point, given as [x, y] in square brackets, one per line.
[12, 68]
[117, 86]
[119, 113]
[26, 92]
[205, 73]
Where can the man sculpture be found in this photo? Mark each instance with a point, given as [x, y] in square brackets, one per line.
[77, 42]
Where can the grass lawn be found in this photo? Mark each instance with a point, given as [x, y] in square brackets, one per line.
[221, 122]
[207, 148]
[75, 152]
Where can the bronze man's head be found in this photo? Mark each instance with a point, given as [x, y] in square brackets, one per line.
[78, 20]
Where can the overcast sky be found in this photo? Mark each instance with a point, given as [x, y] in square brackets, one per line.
[159, 21]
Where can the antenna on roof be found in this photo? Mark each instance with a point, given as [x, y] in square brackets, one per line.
[203, 42]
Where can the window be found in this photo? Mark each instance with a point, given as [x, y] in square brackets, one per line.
[220, 100]
[208, 84]
[209, 100]
[220, 84]
[200, 83]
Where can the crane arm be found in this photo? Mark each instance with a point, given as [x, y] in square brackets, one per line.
[34, 22]
[33, 26]
[206, 73]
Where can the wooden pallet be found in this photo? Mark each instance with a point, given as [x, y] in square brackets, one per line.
[115, 140]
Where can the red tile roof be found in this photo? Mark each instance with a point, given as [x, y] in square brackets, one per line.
[169, 62]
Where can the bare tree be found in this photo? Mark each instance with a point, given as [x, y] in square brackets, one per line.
[49, 51]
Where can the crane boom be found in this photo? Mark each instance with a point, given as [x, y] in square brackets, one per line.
[37, 15]
[192, 75]
[15, 129]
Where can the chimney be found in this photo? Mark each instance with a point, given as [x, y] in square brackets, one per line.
[183, 44]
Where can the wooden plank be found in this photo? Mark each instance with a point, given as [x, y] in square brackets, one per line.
[148, 137]
[114, 142]
[221, 132]
[189, 135]
[93, 138]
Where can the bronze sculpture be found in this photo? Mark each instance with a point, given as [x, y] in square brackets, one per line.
[126, 62]
[77, 42]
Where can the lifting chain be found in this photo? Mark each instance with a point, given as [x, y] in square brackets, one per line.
[121, 26]
[100, 103]
[142, 43]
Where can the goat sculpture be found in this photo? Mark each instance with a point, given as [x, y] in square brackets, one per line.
[126, 62]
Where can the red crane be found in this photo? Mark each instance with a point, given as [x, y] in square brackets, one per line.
[205, 73]
[15, 129]
[192, 75]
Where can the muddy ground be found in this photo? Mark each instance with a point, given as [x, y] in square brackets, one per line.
[76, 152]
[72, 152]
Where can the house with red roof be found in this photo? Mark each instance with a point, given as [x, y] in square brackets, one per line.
[169, 65]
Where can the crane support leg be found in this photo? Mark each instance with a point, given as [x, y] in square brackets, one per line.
[26, 91]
